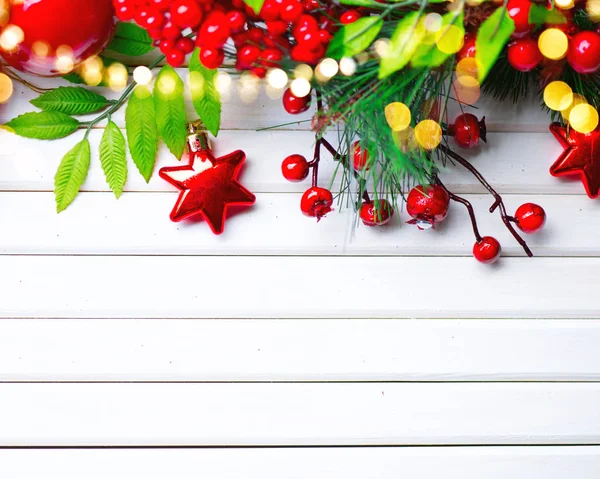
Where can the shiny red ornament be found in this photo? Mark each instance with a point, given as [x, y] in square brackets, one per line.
[530, 217]
[295, 168]
[82, 27]
[316, 202]
[584, 52]
[580, 157]
[376, 213]
[487, 250]
[427, 205]
[208, 186]
[468, 130]
[524, 54]
[519, 10]
[468, 49]
[293, 104]
[360, 157]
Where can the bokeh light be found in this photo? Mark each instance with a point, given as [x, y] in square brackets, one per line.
[584, 118]
[428, 134]
[467, 89]
[116, 76]
[577, 100]
[398, 116]
[11, 37]
[450, 39]
[558, 96]
[300, 87]
[142, 75]
[303, 71]
[553, 43]
[347, 66]
[277, 78]
[405, 140]
[6, 88]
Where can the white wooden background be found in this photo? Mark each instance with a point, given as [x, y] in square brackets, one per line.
[131, 346]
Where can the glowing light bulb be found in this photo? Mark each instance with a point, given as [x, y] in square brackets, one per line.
[347, 66]
[277, 78]
[300, 87]
[142, 75]
[328, 67]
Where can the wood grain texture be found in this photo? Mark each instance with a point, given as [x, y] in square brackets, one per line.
[299, 350]
[338, 463]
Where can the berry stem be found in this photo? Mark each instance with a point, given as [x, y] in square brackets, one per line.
[499, 203]
[467, 204]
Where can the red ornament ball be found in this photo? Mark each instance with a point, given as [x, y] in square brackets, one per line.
[468, 130]
[427, 205]
[468, 49]
[530, 217]
[487, 250]
[584, 52]
[376, 213]
[316, 202]
[360, 157]
[295, 105]
[524, 54]
[80, 27]
[518, 10]
[295, 168]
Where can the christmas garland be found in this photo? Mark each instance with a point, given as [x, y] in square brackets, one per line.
[380, 73]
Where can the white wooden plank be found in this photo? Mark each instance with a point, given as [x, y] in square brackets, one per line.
[288, 287]
[335, 463]
[139, 224]
[513, 163]
[267, 112]
[299, 350]
[238, 414]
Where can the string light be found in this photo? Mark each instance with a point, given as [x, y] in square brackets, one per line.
[347, 66]
[222, 82]
[116, 76]
[92, 71]
[553, 43]
[300, 87]
[564, 4]
[428, 134]
[558, 96]
[303, 71]
[398, 116]
[142, 75]
[6, 88]
[277, 78]
[584, 118]
[11, 37]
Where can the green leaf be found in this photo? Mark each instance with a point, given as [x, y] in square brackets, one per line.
[170, 110]
[113, 158]
[45, 125]
[73, 78]
[205, 96]
[540, 15]
[71, 174]
[131, 40]
[429, 55]
[255, 5]
[493, 34]
[142, 136]
[70, 100]
[354, 38]
[404, 42]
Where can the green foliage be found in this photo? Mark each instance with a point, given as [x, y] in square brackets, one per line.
[354, 38]
[113, 158]
[131, 40]
[170, 110]
[430, 55]
[255, 5]
[71, 174]
[492, 36]
[541, 15]
[71, 101]
[404, 42]
[45, 125]
[142, 134]
[205, 96]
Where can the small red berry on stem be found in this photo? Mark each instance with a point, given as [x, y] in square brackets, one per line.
[468, 130]
[530, 217]
[524, 54]
[316, 202]
[295, 105]
[518, 10]
[360, 157]
[376, 213]
[487, 250]
[295, 168]
[584, 52]
[427, 205]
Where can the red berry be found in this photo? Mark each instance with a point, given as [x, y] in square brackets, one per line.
[186, 45]
[166, 46]
[468, 48]
[212, 57]
[175, 58]
[360, 157]
[487, 250]
[276, 28]
[150, 19]
[349, 16]
[305, 23]
[186, 13]
[376, 213]
[467, 130]
[248, 55]
[295, 168]
[584, 52]
[427, 205]
[518, 10]
[524, 54]
[237, 20]
[171, 31]
[530, 217]
[125, 12]
[215, 31]
[270, 57]
[316, 202]
[294, 105]
[270, 10]
[291, 10]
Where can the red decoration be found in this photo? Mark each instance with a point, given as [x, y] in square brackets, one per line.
[581, 157]
[584, 52]
[468, 130]
[83, 26]
[295, 168]
[293, 104]
[360, 157]
[518, 10]
[376, 213]
[524, 54]
[487, 250]
[316, 202]
[530, 217]
[208, 186]
[468, 49]
[427, 205]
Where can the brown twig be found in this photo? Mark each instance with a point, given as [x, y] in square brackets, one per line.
[498, 203]
[467, 204]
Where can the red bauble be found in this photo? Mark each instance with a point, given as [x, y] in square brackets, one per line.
[530, 217]
[316, 202]
[427, 205]
[518, 10]
[524, 54]
[295, 168]
[468, 130]
[295, 105]
[83, 26]
[360, 157]
[376, 213]
[580, 157]
[208, 187]
[584, 52]
[487, 250]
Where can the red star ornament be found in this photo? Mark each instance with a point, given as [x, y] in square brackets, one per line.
[581, 157]
[208, 187]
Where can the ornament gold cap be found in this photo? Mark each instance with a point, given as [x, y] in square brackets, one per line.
[198, 137]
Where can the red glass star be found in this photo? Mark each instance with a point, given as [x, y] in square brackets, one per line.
[208, 186]
[581, 157]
